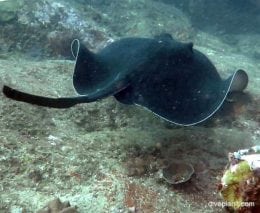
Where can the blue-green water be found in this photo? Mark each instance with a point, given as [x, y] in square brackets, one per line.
[106, 156]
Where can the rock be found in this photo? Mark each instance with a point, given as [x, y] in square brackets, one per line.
[9, 9]
[56, 206]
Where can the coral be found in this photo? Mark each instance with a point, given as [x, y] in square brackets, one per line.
[240, 184]
[178, 172]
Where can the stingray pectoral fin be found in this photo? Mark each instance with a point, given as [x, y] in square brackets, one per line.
[240, 81]
[84, 69]
[74, 47]
[90, 72]
[45, 101]
[125, 96]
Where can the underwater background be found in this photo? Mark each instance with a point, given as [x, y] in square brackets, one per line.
[106, 156]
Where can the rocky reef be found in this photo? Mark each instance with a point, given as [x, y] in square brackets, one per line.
[106, 156]
[240, 184]
[9, 10]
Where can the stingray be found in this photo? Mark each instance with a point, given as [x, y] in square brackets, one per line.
[170, 78]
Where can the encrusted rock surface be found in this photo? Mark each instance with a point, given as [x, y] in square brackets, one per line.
[83, 154]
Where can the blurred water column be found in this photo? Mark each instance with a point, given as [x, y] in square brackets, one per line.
[8, 9]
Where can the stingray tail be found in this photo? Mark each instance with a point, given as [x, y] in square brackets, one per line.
[45, 101]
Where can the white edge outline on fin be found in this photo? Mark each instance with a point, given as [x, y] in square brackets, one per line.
[190, 124]
[77, 42]
[214, 111]
[78, 46]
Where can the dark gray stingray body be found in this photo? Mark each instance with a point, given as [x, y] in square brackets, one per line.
[169, 78]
